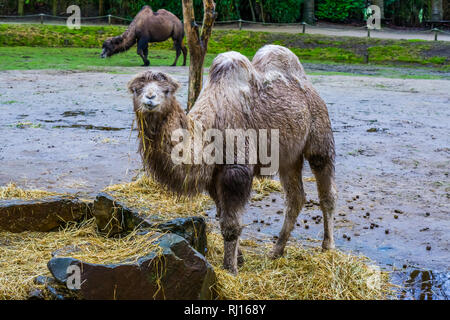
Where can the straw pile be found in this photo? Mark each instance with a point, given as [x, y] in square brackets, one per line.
[11, 191]
[150, 197]
[23, 256]
[301, 274]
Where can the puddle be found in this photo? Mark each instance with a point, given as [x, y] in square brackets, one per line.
[422, 284]
[77, 113]
[88, 127]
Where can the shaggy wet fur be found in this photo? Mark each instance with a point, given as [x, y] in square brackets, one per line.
[148, 26]
[272, 92]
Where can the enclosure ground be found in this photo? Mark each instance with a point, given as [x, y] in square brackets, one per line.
[71, 132]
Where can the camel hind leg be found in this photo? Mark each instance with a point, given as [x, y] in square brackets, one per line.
[323, 169]
[179, 47]
[291, 180]
[142, 50]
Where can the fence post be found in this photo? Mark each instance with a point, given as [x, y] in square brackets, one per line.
[240, 24]
[368, 32]
[436, 30]
[303, 26]
[41, 16]
[109, 19]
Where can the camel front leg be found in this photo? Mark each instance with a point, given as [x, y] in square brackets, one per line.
[233, 185]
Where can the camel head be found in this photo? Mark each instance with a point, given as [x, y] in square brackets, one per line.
[152, 91]
[110, 46]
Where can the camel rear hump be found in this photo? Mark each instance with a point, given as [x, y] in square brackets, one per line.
[277, 62]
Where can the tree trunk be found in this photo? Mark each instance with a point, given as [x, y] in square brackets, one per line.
[100, 8]
[20, 7]
[308, 12]
[436, 10]
[261, 5]
[198, 44]
[55, 7]
[252, 10]
[379, 3]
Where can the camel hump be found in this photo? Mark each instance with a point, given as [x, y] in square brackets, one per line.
[146, 8]
[232, 67]
[277, 62]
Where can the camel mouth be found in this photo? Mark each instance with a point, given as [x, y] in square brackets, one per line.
[149, 106]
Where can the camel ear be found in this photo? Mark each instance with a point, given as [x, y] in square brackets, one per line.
[136, 84]
[171, 85]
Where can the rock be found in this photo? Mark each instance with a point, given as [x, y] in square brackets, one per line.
[52, 288]
[64, 251]
[112, 217]
[36, 294]
[193, 229]
[40, 215]
[180, 272]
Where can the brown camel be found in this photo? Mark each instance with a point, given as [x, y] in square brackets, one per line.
[273, 93]
[148, 26]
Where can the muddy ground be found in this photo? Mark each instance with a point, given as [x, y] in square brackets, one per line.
[71, 132]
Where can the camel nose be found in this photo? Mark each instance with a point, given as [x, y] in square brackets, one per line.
[150, 98]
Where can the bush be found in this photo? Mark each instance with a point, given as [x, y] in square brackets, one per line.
[283, 11]
[340, 10]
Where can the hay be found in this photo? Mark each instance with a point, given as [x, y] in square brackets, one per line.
[23, 256]
[11, 191]
[301, 274]
[149, 197]
[263, 187]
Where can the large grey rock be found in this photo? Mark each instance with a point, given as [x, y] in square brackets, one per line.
[193, 229]
[179, 272]
[40, 215]
[113, 217]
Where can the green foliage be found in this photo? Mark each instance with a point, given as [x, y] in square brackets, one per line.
[283, 11]
[340, 10]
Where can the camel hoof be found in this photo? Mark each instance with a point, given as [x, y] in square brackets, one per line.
[232, 270]
[275, 254]
[240, 260]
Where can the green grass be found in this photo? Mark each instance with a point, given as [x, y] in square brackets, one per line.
[26, 58]
[49, 46]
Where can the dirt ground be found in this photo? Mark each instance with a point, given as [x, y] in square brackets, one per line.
[71, 132]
